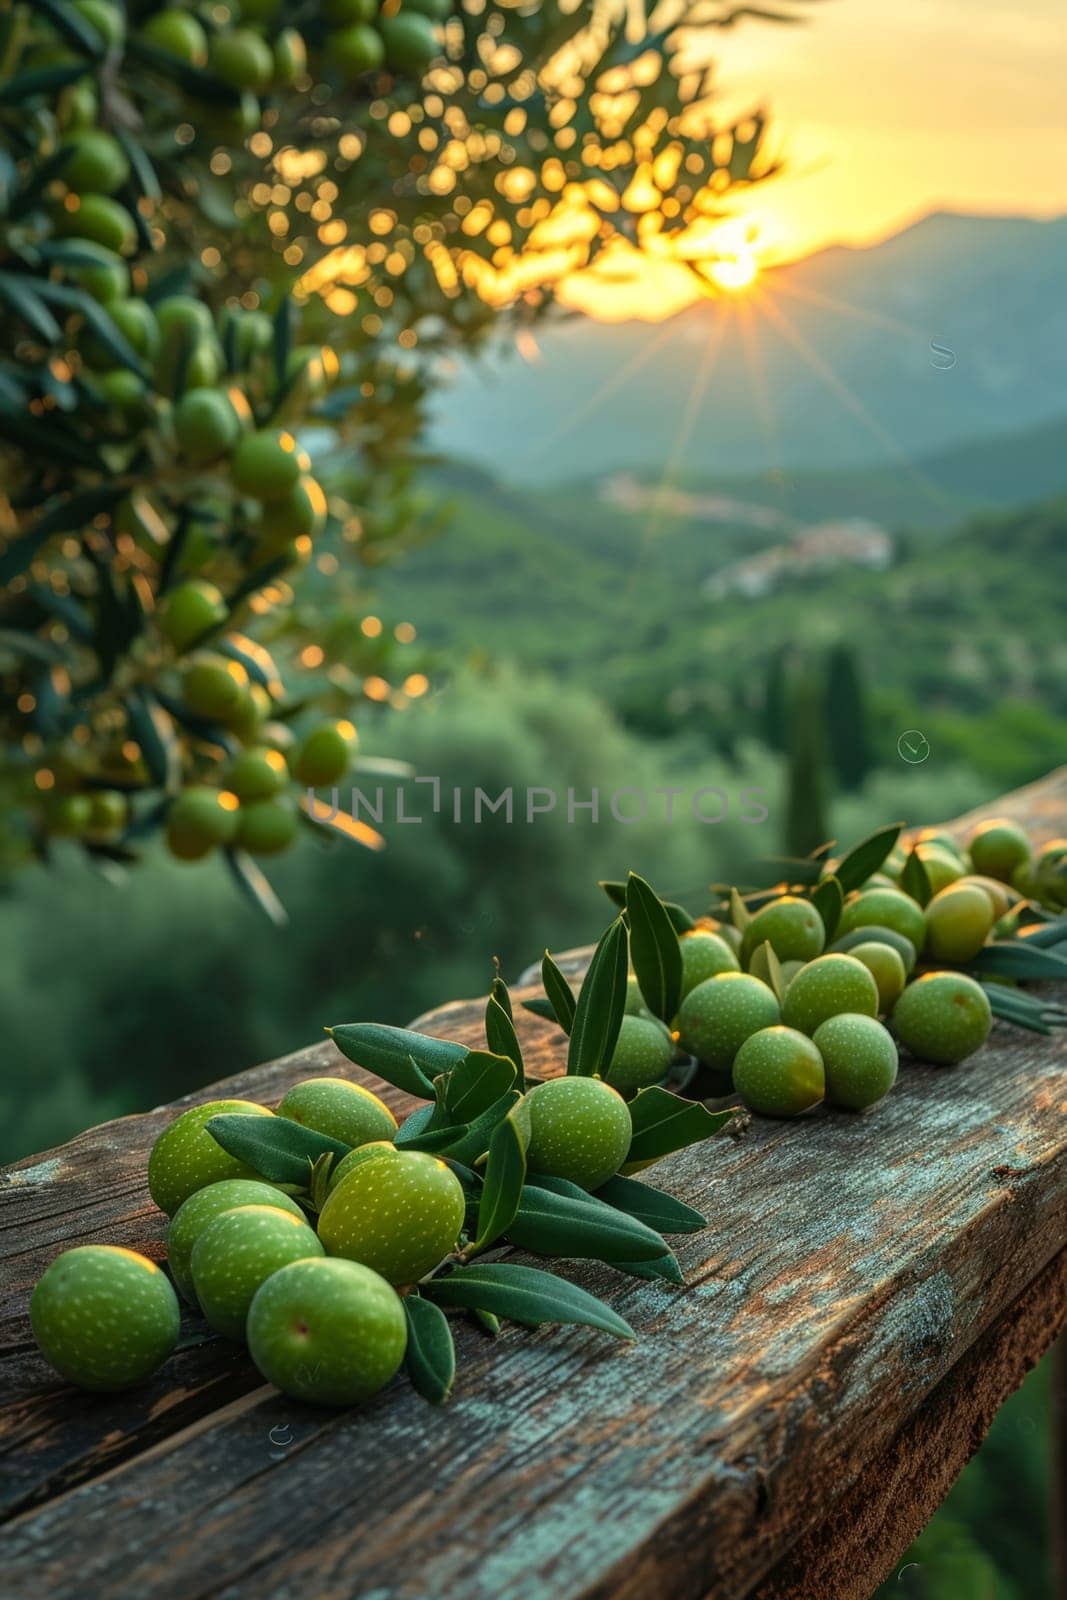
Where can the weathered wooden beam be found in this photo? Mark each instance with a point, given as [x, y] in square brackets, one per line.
[859, 1544]
[852, 1270]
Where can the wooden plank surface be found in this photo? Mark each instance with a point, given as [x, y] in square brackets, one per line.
[849, 1267]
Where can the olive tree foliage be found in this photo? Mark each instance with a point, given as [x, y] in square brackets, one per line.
[236, 239]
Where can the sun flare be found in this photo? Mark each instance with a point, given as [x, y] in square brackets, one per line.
[735, 272]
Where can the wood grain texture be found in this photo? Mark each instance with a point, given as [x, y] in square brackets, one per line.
[850, 1265]
[860, 1543]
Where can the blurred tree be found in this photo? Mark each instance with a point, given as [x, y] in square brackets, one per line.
[774, 722]
[219, 227]
[847, 724]
[806, 823]
[92, 1030]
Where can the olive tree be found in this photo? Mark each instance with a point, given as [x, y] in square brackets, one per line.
[235, 242]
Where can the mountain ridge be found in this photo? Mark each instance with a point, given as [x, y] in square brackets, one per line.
[953, 328]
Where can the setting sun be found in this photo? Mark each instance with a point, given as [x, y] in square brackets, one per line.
[735, 272]
[654, 283]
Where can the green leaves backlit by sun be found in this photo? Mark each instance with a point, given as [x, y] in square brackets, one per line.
[539, 142]
[217, 387]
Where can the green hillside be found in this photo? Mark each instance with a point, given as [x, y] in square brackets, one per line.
[962, 638]
[934, 492]
[963, 632]
[514, 559]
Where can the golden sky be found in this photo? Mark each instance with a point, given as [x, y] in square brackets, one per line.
[885, 110]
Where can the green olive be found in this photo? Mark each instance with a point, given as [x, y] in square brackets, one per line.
[778, 1072]
[998, 847]
[942, 1017]
[704, 955]
[827, 986]
[792, 926]
[859, 1058]
[889, 908]
[718, 1015]
[958, 922]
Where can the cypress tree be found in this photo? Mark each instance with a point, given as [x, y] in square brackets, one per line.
[806, 824]
[775, 719]
[847, 721]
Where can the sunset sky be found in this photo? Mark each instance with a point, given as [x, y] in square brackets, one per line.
[885, 110]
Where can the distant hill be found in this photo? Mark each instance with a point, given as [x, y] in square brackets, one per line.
[932, 492]
[952, 330]
[546, 575]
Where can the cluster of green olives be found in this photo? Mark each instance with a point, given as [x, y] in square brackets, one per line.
[208, 428]
[194, 407]
[812, 1036]
[365, 35]
[319, 1309]
[252, 802]
[317, 1299]
[825, 1021]
[253, 48]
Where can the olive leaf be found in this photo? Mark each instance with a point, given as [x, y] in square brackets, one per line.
[284, 318]
[664, 1266]
[856, 866]
[553, 1224]
[201, 84]
[68, 20]
[541, 1006]
[765, 964]
[319, 1181]
[474, 1084]
[18, 293]
[279, 1150]
[915, 880]
[651, 1206]
[681, 919]
[654, 949]
[1024, 1010]
[430, 1357]
[505, 1174]
[1017, 958]
[154, 732]
[61, 515]
[473, 1141]
[1045, 934]
[144, 173]
[96, 316]
[500, 993]
[740, 915]
[416, 1132]
[41, 81]
[409, 1060]
[256, 660]
[601, 1001]
[254, 883]
[500, 1032]
[558, 993]
[525, 1295]
[828, 899]
[663, 1123]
